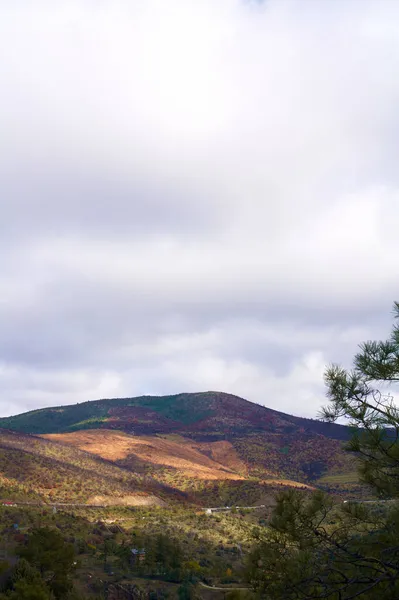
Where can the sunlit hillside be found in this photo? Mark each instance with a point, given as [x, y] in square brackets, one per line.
[32, 468]
[144, 453]
[206, 445]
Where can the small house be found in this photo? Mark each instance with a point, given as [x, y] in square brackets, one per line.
[137, 555]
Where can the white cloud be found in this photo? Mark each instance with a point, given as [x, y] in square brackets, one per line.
[195, 195]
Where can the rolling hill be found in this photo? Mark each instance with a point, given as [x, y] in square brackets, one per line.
[198, 443]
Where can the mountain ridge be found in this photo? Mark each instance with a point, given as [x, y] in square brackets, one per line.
[196, 442]
[167, 414]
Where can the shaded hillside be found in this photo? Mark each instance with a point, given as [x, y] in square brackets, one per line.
[301, 456]
[32, 468]
[203, 415]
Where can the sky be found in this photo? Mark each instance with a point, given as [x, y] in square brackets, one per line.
[194, 195]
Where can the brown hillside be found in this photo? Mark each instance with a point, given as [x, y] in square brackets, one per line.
[35, 469]
[220, 461]
[224, 453]
[211, 473]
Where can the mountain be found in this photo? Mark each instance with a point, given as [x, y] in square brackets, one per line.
[198, 442]
[202, 415]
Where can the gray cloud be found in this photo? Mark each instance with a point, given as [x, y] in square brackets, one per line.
[194, 196]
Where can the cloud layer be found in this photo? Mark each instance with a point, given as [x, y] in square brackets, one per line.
[194, 195]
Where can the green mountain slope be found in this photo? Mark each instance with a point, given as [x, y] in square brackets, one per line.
[207, 414]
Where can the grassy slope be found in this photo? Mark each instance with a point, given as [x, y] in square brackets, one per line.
[34, 468]
[245, 439]
[78, 468]
[212, 473]
[92, 414]
[145, 452]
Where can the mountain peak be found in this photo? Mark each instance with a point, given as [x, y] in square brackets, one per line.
[210, 413]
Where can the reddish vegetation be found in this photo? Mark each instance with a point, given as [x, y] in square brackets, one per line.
[140, 418]
[225, 454]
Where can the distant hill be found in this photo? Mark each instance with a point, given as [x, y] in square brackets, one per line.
[182, 439]
[207, 414]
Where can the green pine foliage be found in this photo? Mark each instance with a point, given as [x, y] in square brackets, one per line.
[317, 547]
[54, 558]
[94, 414]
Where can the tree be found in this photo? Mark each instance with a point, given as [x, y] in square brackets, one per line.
[357, 397]
[109, 548]
[186, 591]
[23, 570]
[318, 548]
[47, 551]
[26, 583]
[28, 590]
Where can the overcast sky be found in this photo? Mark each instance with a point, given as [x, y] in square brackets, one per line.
[195, 195]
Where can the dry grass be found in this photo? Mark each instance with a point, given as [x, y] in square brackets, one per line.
[224, 453]
[130, 500]
[45, 470]
[288, 483]
[340, 478]
[184, 455]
